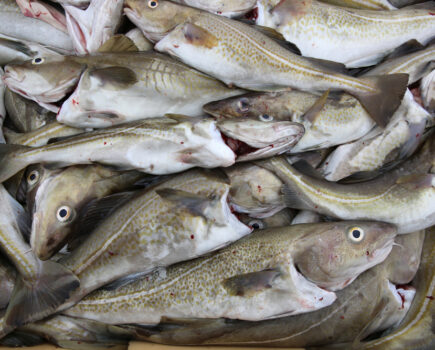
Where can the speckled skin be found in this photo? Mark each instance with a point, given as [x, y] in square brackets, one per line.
[156, 146]
[342, 119]
[150, 231]
[362, 4]
[195, 288]
[410, 206]
[346, 35]
[416, 64]
[240, 55]
[341, 322]
[380, 146]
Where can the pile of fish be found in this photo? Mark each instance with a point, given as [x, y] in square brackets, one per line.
[208, 172]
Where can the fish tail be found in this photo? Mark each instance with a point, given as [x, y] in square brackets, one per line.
[10, 163]
[382, 103]
[34, 300]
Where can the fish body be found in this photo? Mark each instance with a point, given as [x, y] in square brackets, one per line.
[43, 11]
[141, 42]
[41, 286]
[341, 119]
[115, 87]
[20, 27]
[41, 136]
[415, 330]
[427, 87]
[154, 228]
[363, 4]
[404, 197]
[398, 140]
[160, 146]
[252, 279]
[233, 8]
[306, 217]
[345, 35]
[417, 64]
[25, 115]
[57, 199]
[2, 105]
[370, 304]
[158, 85]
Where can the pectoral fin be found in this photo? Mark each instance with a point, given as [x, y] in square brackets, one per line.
[118, 43]
[417, 180]
[316, 108]
[198, 36]
[121, 77]
[249, 284]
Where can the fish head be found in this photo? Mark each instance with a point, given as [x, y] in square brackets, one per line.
[279, 219]
[43, 79]
[251, 105]
[254, 190]
[261, 137]
[58, 200]
[156, 18]
[334, 257]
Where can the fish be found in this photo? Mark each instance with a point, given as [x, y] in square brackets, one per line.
[7, 282]
[25, 115]
[253, 61]
[40, 286]
[233, 8]
[253, 279]
[14, 24]
[417, 64]
[415, 330]
[404, 196]
[341, 118]
[185, 143]
[77, 3]
[72, 333]
[345, 35]
[141, 42]
[177, 219]
[427, 88]
[41, 136]
[2, 105]
[370, 304]
[363, 4]
[380, 148]
[110, 84]
[280, 219]
[89, 28]
[254, 190]
[44, 12]
[58, 197]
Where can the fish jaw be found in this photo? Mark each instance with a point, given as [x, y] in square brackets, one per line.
[267, 139]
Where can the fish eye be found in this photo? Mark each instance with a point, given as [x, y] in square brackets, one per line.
[243, 105]
[265, 117]
[38, 60]
[356, 234]
[33, 177]
[256, 224]
[153, 4]
[63, 213]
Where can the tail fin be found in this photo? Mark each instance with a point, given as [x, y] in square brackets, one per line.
[382, 104]
[10, 163]
[34, 301]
